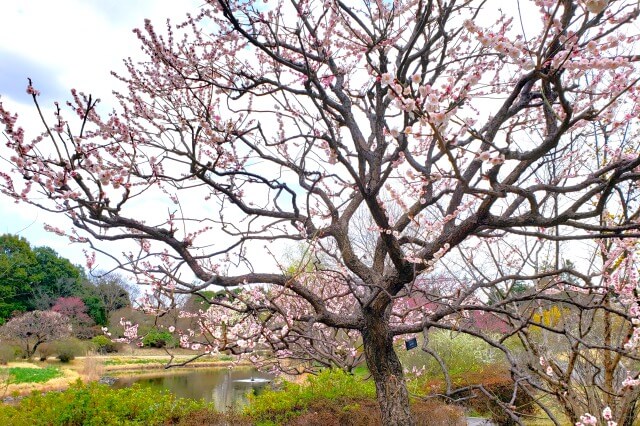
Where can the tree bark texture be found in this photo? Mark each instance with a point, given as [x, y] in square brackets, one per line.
[386, 370]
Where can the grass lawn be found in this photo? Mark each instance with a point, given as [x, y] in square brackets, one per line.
[32, 375]
[128, 360]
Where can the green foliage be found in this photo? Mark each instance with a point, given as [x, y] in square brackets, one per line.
[330, 386]
[500, 292]
[45, 350]
[68, 349]
[33, 278]
[159, 339]
[98, 405]
[9, 352]
[461, 353]
[104, 345]
[95, 306]
[18, 265]
[57, 274]
[32, 375]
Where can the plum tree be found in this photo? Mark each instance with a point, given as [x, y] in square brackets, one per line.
[447, 125]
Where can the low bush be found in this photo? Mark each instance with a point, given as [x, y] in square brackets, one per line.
[279, 406]
[159, 339]
[68, 349]
[366, 412]
[9, 353]
[46, 350]
[208, 416]
[337, 398]
[99, 405]
[104, 345]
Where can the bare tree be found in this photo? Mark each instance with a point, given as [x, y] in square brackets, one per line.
[113, 291]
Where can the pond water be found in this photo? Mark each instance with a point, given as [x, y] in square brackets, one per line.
[223, 386]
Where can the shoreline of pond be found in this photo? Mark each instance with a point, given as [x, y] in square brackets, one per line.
[164, 367]
[76, 370]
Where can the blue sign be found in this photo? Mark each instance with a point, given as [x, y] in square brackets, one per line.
[411, 343]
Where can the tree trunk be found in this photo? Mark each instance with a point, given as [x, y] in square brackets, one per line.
[386, 370]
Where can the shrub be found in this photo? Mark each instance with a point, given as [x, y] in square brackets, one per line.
[367, 413]
[329, 386]
[159, 339]
[337, 398]
[207, 416]
[9, 353]
[104, 345]
[45, 350]
[66, 356]
[99, 405]
[68, 349]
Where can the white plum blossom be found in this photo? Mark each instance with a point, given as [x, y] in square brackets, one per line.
[386, 79]
[587, 420]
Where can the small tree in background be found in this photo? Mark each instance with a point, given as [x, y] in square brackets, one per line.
[33, 328]
[75, 309]
[113, 291]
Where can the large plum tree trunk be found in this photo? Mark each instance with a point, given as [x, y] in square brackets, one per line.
[386, 370]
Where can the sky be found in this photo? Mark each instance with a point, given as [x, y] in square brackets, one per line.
[61, 45]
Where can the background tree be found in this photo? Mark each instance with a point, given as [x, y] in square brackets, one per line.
[33, 328]
[112, 289]
[56, 277]
[76, 311]
[35, 278]
[438, 122]
[17, 267]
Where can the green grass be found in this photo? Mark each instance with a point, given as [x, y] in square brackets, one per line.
[32, 375]
[127, 361]
[99, 405]
[142, 361]
[330, 386]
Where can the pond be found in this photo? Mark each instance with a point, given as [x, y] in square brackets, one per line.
[224, 387]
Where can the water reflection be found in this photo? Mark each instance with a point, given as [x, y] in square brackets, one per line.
[220, 385]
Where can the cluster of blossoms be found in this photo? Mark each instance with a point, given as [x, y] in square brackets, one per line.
[590, 420]
[415, 371]
[427, 102]
[620, 275]
[493, 159]
[130, 332]
[503, 44]
[630, 382]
